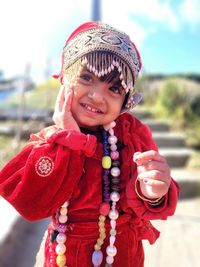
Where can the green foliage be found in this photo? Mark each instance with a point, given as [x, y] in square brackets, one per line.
[173, 99]
[177, 101]
[173, 102]
[143, 85]
[189, 76]
[192, 131]
[195, 106]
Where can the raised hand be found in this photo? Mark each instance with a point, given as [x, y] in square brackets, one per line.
[62, 116]
[153, 174]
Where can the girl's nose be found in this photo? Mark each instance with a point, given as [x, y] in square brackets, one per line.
[96, 95]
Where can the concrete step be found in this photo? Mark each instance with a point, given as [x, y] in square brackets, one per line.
[157, 126]
[141, 114]
[188, 180]
[169, 139]
[176, 157]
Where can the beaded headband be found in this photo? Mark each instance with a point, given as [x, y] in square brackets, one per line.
[101, 48]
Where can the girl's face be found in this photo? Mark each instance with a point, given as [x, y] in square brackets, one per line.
[96, 102]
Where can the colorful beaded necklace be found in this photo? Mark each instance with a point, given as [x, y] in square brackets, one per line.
[111, 181]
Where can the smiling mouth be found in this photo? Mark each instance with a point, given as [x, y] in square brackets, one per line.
[91, 109]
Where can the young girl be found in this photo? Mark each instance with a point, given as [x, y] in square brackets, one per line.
[97, 171]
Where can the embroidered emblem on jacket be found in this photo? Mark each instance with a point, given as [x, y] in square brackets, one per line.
[44, 166]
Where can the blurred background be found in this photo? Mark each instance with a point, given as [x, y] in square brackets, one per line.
[167, 34]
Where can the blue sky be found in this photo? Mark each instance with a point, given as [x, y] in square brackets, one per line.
[166, 32]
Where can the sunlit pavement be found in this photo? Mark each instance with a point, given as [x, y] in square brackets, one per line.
[178, 244]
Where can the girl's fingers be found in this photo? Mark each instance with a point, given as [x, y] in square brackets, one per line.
[154, 165]
[154, 183]
[60, 100]
[68, 100]
[141, 158]
[154, 175]
[154, 189]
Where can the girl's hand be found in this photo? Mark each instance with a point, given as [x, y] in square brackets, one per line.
[153, 174]
[62, 116]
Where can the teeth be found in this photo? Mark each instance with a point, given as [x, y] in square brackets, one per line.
[92, 109]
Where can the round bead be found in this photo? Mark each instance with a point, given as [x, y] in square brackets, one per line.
[61, 260]
[97, 257]
[60, 249]
[113, 214]
[109, 259]
[114, 155]
[112, 139]
[61, 238]
[63, 210]
[111, 251]
[115, 196]
[113, 147]
[115, 171]
[106, 162]
[104, 209]
[63, 218]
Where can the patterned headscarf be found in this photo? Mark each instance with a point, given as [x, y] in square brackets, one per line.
[101, 48]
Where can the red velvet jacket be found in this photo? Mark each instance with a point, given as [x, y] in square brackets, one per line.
[58, 165]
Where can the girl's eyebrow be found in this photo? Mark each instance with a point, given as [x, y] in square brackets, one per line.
[117, 83]
[86, 71]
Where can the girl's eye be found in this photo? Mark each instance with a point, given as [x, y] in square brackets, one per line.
[86, 77]
[116, 89]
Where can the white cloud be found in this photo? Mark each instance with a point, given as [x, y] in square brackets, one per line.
[119, 18]
[27, 27]
[151, 10]
[140, 19]
[190, 11]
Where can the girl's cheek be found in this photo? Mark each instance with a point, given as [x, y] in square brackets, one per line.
[78, 88]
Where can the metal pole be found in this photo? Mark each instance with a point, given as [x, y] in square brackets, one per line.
[48, 82]
[96, 10]
[19, 126]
